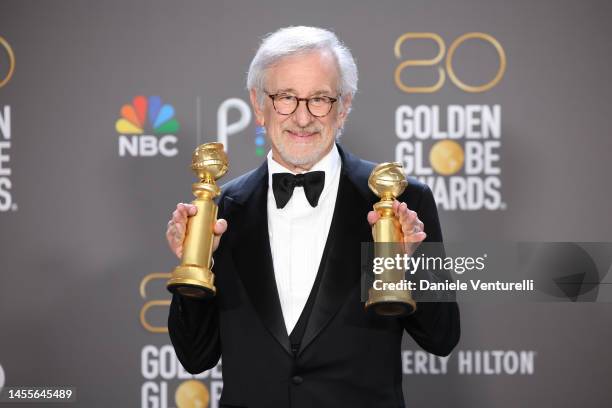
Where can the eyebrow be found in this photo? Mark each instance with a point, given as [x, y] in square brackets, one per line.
[293, 91]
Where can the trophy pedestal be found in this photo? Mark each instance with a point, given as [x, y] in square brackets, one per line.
[192, 281]
[390, 303]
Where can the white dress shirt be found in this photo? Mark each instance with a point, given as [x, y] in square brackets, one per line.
[298, 233]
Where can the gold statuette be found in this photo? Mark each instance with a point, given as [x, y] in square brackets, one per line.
[193, 276]
[387, 181]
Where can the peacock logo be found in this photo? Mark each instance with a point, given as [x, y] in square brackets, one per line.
[134, 116]
[144, 115]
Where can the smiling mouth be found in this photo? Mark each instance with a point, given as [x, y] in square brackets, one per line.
[300, 134]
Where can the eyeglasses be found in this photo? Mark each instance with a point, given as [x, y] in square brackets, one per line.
[318, 106]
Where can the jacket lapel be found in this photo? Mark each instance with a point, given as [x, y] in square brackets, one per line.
[252, 255]
[341, 261]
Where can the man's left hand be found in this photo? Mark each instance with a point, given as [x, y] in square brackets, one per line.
[413, 230]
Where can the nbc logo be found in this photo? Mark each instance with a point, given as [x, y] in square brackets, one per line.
[133, 122]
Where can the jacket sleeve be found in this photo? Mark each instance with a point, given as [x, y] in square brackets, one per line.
[434, 326]
[193, 326]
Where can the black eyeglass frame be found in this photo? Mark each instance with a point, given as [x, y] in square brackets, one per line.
[307, 100]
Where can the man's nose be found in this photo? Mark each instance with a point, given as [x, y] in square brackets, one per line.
[302, 116]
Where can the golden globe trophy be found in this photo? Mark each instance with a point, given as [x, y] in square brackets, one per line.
[193, 276]
[388, 181]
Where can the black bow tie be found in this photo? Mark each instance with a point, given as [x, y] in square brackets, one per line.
[284, 183]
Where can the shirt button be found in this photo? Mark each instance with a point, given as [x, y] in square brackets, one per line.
[297, 380]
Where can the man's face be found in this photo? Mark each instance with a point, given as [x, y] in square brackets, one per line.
[300, 140]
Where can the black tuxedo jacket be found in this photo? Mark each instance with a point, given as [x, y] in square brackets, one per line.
[347, 357]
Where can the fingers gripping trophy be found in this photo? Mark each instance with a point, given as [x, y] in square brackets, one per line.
[388, 181]
[193, 277]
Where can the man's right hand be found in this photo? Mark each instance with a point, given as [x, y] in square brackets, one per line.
[175, 234]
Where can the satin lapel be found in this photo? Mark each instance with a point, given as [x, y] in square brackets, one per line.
[253, 258]
[341, 257]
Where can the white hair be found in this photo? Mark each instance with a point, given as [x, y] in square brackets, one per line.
[290, 41]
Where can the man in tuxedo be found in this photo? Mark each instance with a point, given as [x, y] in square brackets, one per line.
[288, 317]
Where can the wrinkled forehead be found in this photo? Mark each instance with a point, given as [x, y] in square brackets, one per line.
[304, 74]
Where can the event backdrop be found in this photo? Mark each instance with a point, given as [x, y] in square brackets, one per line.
[503, 108]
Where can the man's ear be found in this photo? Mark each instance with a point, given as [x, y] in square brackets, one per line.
[259, 116]
[346, 107]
